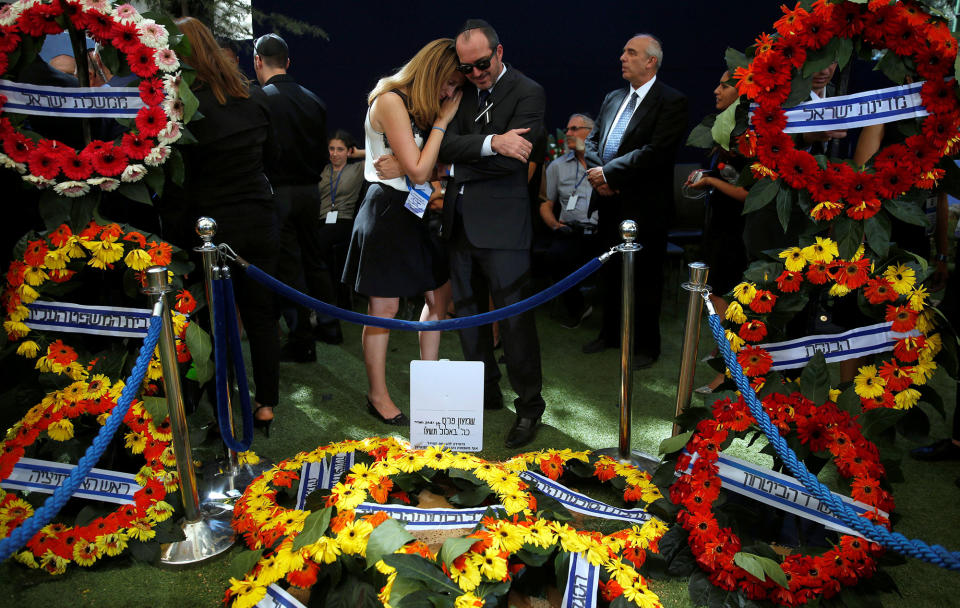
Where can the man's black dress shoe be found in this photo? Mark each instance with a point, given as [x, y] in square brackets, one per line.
[945, 449]
[595, 346]
[298, 353]
[523, 432]
[641, 361]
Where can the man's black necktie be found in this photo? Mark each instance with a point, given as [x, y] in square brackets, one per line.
[484, 96]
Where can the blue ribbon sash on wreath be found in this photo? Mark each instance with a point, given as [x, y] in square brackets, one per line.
[856, 110]
[315, 475]
[850, 344]
[781, 492]
[582, 579]
[85, 319]
[42, 476]
[78, 102]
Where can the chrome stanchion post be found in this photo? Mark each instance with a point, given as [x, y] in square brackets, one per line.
[623, 452]
[207, 229]
[207, 534]
[691, 335]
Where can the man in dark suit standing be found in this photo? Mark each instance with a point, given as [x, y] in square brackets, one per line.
[487, 218]
[631, 151]
[299, 120]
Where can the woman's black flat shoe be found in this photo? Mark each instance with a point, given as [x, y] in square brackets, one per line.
[398, 420]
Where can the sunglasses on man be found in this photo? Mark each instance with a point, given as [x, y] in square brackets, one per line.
[481, 64]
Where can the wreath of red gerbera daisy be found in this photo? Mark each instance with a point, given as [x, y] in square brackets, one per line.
[774, 291]
[903, 28]
[55, 546]
[100, 164]
[819, 427]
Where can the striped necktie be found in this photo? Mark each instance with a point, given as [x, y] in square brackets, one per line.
[616, 133]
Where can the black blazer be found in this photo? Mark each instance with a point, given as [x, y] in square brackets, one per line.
[495, 205]
[643, 168]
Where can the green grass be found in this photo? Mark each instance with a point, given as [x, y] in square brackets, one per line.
[324, 402]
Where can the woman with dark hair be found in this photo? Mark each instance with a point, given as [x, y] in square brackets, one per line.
[392, 254]
[225, 180]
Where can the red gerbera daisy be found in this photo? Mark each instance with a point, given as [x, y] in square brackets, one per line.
[9, 39]
[109, 161]
[754, 361]
[151, 91]
[126, 37]
[798, 168]
[851, 274]
[753, 331]
[36, 251]
[763, 301]
[897, 376]
[791, 20]
[39, 20]
[61, 235]
[902, 318]
[141, 61]
[60, 353]
[789, 282]
[136, 145]
[75, 166]
[879, 290]
[151, 120]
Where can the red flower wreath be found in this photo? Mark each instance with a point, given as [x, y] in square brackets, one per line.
[823, 427]
[56, 545]
[903, 28]
[144, 44]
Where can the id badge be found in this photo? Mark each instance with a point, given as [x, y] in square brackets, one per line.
[331, 217]
[572, 202]
[418, 198]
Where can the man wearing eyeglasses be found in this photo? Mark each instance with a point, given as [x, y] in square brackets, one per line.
[487, 217]
[299, 121]
[631, 151]
[574, 235]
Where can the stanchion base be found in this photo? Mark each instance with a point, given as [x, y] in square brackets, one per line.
[644, 462]
[206, 538]
[222, 485]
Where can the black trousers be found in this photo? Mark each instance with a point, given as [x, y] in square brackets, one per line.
[648, 288]
[504, 274]
[302, 263]
[567, 252]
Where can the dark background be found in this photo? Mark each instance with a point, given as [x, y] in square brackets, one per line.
[572, 49]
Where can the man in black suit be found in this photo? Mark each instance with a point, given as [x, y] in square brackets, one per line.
[631, 151]
[487, 217]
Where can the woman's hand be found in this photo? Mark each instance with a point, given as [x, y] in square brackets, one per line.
[449, 108]
[698, 180]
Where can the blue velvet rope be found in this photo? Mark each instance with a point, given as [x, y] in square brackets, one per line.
[934, 554]
[446, 324]
[226, 329]
[45, 514]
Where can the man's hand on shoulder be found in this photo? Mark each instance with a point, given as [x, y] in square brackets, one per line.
[388, 167]
[512, 144]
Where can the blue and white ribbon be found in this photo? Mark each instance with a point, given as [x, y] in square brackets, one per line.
[582, 579]
[42, 476]
[278, 598]
[84, 319]
[580, 503]
[315, 475]
[856, 110]
[781, 491]
[430, 519]
[78, 102]
[851, 344]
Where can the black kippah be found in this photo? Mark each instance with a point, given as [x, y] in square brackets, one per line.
[474, 24]
[270, 45]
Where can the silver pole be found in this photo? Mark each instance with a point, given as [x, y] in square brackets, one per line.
[206, 533]
[628, 230]
[691, 335]
[207, 229]
[158, 286]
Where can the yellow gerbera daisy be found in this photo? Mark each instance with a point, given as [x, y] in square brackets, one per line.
[902, 276]
[794, 259]
[823, 250]
[867, 383]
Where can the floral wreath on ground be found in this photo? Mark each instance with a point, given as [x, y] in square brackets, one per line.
[469, 569]
[892, 292]
[55, 546]
[809, 40]
[57, 258]
[145, 45]
[822, 428]
[636, 484]
[262, 521]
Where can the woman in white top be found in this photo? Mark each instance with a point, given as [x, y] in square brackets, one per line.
[392, 253]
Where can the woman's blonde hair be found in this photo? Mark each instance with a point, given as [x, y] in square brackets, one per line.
[213, 67]
[422, 78]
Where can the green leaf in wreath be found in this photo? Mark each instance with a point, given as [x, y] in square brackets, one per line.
[175, 166]
[822, 57]
[724, 125]
[844, 52]
[735, 59]
[849, 402]
[243, 563]
[761, 194]
[471, 497]
[533, 555]
[877, 230]
[465, 475]
[701, 135]
[493, 590]
[313, 528]
[750, 563]
[675, 443]
[784, 207]
[385, 539]
[190, 101]
[417, 568]
[198, 342]
[136, 191]
[930, 395]
[905, 211]
[55, 210]
[874, 422]
[815, 380]
[157, 406]
[155, 179]
[561, 569]
[914, 425]
[453, 548]
[894, 67]
[850, 236]
[800, 88]
[402, 587]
